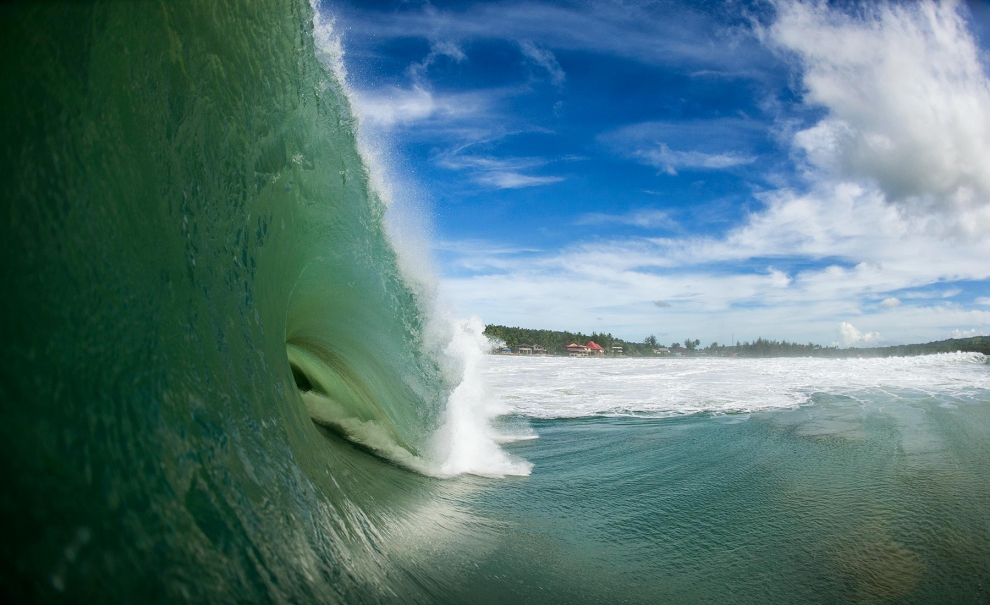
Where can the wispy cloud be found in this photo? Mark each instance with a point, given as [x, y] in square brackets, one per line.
[631, 31]
[457, 160]
[646, 218]
[884, 201]
[715, 144]
[970, 333]
[394, 106]
[481, 257]
[545, 59]
[571, 291]
[499, 172]
[514, 180]
[855, 216]
[483, 248]
[438, 49]
[851, 253]
[929, 293]
[670, 161]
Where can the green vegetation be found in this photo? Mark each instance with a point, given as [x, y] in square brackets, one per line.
[762, 347]
[555, 342]
[772, 348]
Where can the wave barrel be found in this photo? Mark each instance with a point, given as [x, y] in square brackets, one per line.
[211, 364]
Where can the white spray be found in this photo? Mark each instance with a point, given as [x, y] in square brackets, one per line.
[467, 442]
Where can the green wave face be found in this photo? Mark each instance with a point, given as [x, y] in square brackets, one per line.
[196, 270]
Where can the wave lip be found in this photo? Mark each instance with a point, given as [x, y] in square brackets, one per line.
[457, 435]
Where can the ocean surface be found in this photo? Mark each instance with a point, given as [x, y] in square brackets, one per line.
[746, 480]
[224, 379]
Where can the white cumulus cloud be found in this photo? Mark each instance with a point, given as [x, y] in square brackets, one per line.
[850, 336]
[969, 333]
[891, 302]
[908, 104]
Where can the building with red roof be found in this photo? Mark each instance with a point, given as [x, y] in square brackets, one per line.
[576, 350]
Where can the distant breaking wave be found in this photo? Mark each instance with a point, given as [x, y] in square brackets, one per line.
[579, 388]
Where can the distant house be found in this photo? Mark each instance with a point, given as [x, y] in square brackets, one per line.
[661, 351]
[616, 350]
[524, 350]
[594, 348]
[576, 350]
[538, 350]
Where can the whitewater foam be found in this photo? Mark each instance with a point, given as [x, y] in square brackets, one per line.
[573, 388]
[467, 442]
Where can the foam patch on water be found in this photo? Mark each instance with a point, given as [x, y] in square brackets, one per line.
[552, 387]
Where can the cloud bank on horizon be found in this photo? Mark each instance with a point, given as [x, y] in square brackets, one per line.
[785, 169]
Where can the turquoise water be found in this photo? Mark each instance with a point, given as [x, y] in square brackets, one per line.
[220, 380]
[833, 503]
[848, 481]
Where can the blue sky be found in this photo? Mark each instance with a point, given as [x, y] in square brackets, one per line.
[800, 170]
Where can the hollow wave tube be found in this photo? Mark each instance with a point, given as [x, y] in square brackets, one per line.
[212, 375]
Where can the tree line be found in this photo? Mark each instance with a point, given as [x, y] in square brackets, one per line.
[555, 342]
[772, 348]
